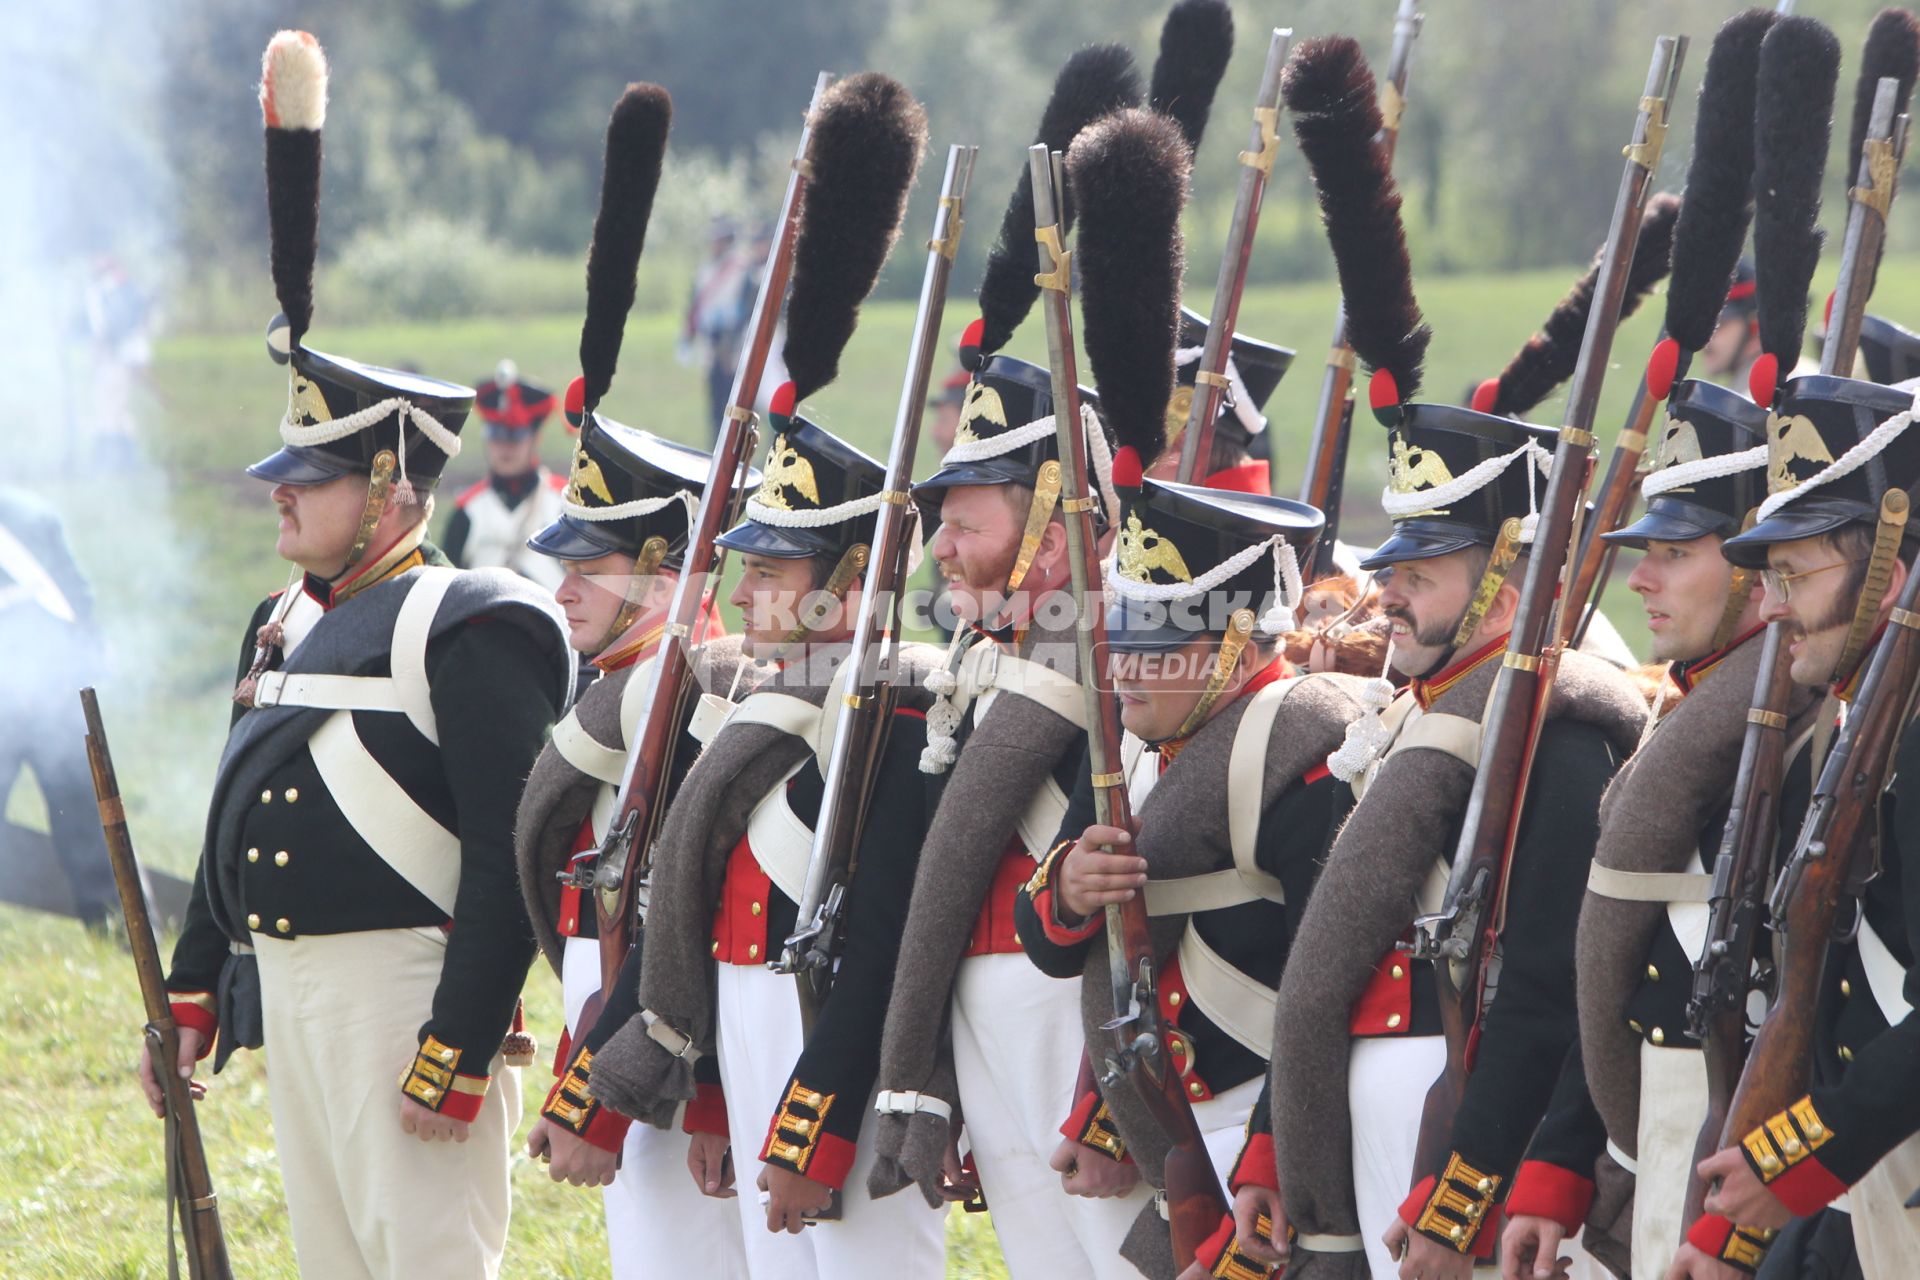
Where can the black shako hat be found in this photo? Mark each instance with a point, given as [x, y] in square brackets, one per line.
[1434, 447]
[818, 496]
[624, 487]
[1709, 429]
[1892, 353]
[1828, 462]
[1187, 558]
[1254, 368]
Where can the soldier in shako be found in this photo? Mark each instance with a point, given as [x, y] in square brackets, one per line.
[730, 865]
[1357, 1034]
[1633, 1094]
[621, 539]
[1832, 548]
[1203, 585]
[971, 1037]
[355, 904]
[1239, 460]
[493, 519]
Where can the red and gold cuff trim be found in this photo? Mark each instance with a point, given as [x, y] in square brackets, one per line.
[1220, 1254]
[1457, 1208]
[1780, 1153]
[571, 1105]
[707, 1113]
[1040, 891]
[1091, 1125]
[433, 1082]
[797, 1138]
[1742, 1248]
[1545, 1190]
[195, 1011]
[1256, 1165]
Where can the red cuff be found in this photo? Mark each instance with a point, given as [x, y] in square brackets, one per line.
[571, 1105]
[707, 1113]
[1545, 1190]
[1257, 1166]
[1091, 1125]
[1742, 1248]
[194, 1011]
[1456, 1209]
[1040, 893]
[1208, 1254]
[1220, 1257]
[1780, 1151]
[797, 1138]
[562, 1053]
[1807, 1188]
[435, 1082]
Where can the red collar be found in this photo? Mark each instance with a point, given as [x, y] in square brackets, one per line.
[395, 558]
[642, 639]
[1429, 689]
[1687, 676]
[1248, 477]
[1278, 669]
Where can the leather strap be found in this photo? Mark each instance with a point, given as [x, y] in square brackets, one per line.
[1649, 886]
[911, 1102]
[411, 631]
[781, 843]
[425, 854]
[1237, 1004]
[581, 750]
[327, 692]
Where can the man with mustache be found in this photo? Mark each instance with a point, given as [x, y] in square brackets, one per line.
[1819, 543]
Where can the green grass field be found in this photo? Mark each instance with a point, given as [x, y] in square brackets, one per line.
[181, 551]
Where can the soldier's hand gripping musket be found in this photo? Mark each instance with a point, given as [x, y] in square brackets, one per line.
[867, 712]
[190, 1190]
[1333, 416]
[621, 868]
[1462, 936]
[1137, 1057]
[1766, 1166]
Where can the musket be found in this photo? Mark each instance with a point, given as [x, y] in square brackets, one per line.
[1333, 417]
[1833, 855]
[189, 1180]
[1138, 1055]
[640, 803]
[1210, 384]
[1464, 931]
[866, 709]
[1593, 561]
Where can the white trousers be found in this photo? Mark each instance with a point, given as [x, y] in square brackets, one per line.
[1387, 1082]
[759, 1041]
[366, 1199]
[1673, 1103]
[658, 1222]
[1886, 1234]
[1017, 1065]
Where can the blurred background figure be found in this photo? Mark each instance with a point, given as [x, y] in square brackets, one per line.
[52, 648]
[717, 312]
[116, 318]
[1735, 344]
[492, 521]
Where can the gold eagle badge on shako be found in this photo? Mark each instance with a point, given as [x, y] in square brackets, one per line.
[983, 404]
[1795, 451]
[1679, 443]
[1143, 552]
[587, 478]
[787, 469]
[1411, 469]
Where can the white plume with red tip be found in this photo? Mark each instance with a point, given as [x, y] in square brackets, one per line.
[293, 82]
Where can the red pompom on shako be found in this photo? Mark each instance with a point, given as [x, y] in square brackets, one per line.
[1127, 471]
[1383, 394]
[781, 404]
[1764, 380]
[1486, 396]
[575, 405]
[970, 341]
[1662, 367]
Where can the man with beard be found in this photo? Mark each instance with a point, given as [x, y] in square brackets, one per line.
[1839, 448]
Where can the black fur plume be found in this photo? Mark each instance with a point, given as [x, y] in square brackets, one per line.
[868, 137]
[1892, 50]
[636, 146]
[1196, 43]
[1131, 171]
[293, 105]
[1719, 207]
[1549, 357]
[1793, 111]
[1096, 81]
[1330, 93]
